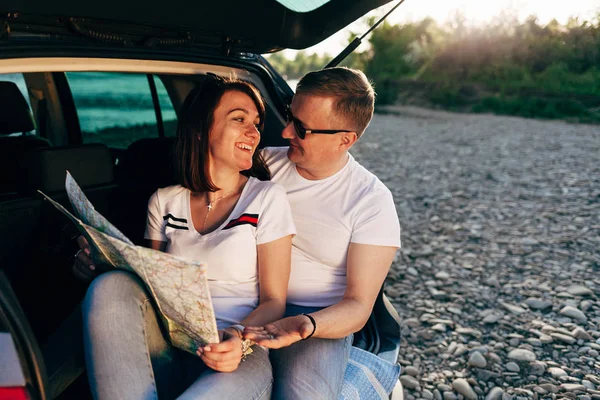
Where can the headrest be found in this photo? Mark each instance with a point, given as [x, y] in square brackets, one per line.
[148, 162]
[15, 116]
[45, 169]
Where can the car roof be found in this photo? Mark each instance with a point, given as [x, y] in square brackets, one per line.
[257, 26]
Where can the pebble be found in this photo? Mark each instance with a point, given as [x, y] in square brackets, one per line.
[538, 304]
[539, 390]
[444, 388]
[486, 375]
[492, 319]
[495, 393]
[443, 275]
[449, 396]
[412, 371]
[573, 312]
[563, 338]
[426, 394]
[469, 331]
[522, 355]
[557, 372]
[460, 350]
[537, 368]
[572, 387]
[546, 339]
[513, 308]
[550, 388]
[477, 360]
[409, 382]
[580, 290]
[595, 379]
[580, 333]
[463, 387]
[512, 367]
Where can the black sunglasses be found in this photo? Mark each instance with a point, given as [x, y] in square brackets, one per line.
[301, 131]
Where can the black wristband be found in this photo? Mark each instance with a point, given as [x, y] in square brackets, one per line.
[314, 326]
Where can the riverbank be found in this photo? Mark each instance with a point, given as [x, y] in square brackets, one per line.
[498, 281]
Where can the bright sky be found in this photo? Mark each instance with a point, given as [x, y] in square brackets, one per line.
[476, 11]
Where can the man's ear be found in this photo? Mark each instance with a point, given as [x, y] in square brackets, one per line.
[348, 139]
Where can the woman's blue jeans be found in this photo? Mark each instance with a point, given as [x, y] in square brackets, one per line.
[127, 356]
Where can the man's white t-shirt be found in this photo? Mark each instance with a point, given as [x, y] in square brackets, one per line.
[351, 206]
[261, 215]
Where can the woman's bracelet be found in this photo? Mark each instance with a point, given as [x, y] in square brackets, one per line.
[314, 323]
[246, 344]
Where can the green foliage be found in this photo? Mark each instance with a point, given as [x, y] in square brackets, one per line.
[506, 67]
[299, 66]
[525, 69]
[396, 51]
[533, 107]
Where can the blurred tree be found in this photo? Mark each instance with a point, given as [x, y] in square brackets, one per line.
[458, 64]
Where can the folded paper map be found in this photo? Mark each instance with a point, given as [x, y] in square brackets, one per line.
[179, 286]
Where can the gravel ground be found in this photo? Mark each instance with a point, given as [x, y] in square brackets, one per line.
[498, 282]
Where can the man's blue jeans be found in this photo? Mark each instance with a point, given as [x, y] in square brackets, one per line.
[310, 369]
[127, 356]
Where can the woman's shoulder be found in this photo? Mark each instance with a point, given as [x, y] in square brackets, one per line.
[166, 194]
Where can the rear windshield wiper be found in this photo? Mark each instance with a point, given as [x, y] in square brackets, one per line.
[358, 40]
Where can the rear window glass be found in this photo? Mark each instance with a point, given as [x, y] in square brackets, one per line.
[117, 108]
[168, 113]
[302, 5]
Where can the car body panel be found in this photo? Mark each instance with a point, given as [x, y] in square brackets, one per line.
[256, 26]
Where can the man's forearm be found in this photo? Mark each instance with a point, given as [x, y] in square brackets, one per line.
[341, 319]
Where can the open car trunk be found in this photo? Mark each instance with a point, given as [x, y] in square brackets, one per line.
[258, 26]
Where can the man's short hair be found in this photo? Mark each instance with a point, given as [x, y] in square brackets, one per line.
[355, 97]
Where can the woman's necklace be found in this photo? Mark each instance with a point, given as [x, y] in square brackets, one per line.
[211, 204]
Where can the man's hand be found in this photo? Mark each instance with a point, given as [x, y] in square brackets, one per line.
[83, 267]
[225, 356]
[280, 333]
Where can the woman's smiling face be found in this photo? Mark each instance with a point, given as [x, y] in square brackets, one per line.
[234, 134]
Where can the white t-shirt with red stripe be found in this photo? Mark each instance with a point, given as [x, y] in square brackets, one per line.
[351, 206]
[261, 215]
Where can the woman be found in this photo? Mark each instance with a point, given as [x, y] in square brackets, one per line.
[220, 214]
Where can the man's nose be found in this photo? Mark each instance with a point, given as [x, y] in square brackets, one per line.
[289, 132]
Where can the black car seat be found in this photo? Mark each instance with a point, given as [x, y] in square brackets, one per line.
[16, 122]
[145, 166]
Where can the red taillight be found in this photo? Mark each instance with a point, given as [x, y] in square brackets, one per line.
[13, 393]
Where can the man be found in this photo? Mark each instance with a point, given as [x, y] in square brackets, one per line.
[347, 235]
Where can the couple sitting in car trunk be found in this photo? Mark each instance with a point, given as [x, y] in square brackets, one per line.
[297, 272]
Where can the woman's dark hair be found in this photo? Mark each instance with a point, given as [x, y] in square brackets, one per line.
[193, 127]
